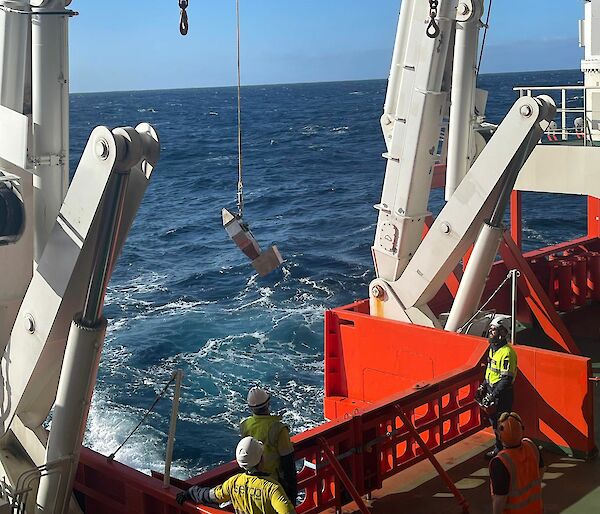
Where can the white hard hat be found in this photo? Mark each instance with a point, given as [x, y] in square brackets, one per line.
[258, 398]
[501, 320]
[248, 452]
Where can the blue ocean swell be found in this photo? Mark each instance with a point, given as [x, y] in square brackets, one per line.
[182, 296]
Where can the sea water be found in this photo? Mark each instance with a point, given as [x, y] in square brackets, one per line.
[183, 296]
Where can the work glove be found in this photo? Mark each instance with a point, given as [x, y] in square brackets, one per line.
[196, 494]
[480, 393]
[488, 401]
[182, 496]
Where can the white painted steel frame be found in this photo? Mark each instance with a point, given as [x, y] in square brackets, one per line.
[459, 222]
[414, 108]
[15, 51]
[462, 95]
[50, 94]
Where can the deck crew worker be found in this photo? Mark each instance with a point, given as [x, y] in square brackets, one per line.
[278, 459]
[500, 373]
[250, 492]
[516, 472]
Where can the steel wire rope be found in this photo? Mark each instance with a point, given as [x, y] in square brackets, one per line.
[146, 414]
[487, 25]
[508, 276]
[240, 184]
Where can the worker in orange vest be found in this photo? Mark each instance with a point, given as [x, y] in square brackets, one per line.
[516, 472]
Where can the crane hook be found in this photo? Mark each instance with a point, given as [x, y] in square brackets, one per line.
[433, 29]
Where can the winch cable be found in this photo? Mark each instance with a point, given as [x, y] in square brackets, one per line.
[146, 414]
[508, 277]
[240, 184]
[487, 24]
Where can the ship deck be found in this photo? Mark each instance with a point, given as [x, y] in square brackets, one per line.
[570, 485]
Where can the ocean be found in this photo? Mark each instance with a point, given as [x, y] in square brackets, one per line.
[183, 296]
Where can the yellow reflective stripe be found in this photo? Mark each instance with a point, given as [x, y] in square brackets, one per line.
[508, 461]
[523, 490]
[524, 503]
[274, 430]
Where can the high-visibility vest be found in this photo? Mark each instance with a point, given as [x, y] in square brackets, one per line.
[252, 494]
[501, 363]
[523, 465]
[267, 429]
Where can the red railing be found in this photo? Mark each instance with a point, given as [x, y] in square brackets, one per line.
[371, 445]
[374, 444]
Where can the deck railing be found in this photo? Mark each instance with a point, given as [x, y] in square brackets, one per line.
[567, 113]
[370, 446]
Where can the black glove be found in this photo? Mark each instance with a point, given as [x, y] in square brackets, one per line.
[182, 496]
[196, 494]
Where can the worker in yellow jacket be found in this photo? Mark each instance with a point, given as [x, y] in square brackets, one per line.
[278, 458]
[497, 388]
[250, 492]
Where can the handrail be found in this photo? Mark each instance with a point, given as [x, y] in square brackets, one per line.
[584, 132]
[374, 444]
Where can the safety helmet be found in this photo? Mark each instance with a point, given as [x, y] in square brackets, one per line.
[248, 453]
[258, 398]
[501, 320]
[510, 429]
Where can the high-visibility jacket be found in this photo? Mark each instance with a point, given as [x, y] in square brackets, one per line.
[254, 494]
[525, 491]
[275, 437]
[501, 363]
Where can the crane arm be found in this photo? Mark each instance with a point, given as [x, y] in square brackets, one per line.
[415, 103]
[460, 221]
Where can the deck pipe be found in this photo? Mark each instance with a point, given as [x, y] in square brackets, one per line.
[50, 106]
[564, 278]
[594, 275]
[14, 27]
[579, 282]
[462, 99]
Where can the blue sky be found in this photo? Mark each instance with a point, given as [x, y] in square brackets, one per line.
[135, 44]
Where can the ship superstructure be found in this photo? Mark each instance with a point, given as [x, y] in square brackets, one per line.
[401, 367]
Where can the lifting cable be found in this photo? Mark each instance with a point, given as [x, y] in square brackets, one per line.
[508, 277]
[159, 396]
[183, 29]
[240, 184]
[487, 24]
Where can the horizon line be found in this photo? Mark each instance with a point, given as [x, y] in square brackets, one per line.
[289, 83]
